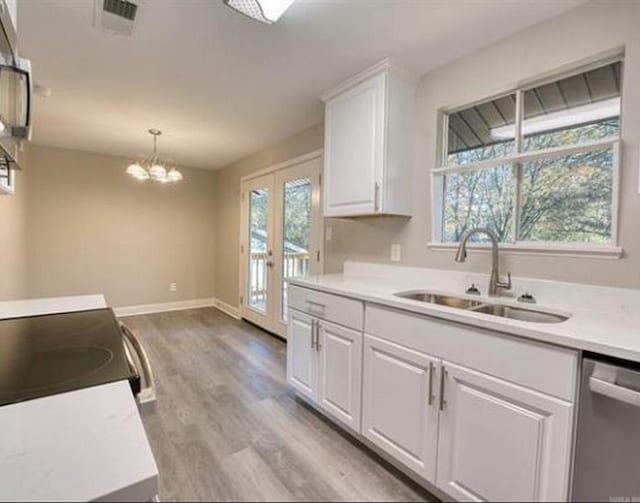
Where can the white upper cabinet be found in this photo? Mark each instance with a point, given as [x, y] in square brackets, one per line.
[368, 144]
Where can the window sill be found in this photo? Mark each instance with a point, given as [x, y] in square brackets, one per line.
[548, 249]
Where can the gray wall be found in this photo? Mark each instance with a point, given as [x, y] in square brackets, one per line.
[227, 199]
[13, 241]
[591, 29]
[93, 229]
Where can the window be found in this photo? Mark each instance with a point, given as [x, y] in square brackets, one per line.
[538, 165]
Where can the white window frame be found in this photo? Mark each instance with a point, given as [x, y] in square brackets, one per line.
[516, 159]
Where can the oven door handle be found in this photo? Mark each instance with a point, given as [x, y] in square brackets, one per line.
[615, 391]
[147, 397]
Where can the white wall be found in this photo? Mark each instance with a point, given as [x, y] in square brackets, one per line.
[553, 45]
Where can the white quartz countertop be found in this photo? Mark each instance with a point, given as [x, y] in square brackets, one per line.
[50, 305]
[77, 446]
[603, 320]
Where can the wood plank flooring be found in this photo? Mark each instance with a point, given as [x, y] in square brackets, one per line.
[227, 427]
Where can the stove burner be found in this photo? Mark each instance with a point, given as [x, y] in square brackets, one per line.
[44, 355]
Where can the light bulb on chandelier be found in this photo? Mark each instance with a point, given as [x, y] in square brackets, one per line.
[155, 169]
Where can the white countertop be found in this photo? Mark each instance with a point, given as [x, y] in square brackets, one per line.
[50, 305]
[78, 446]
[603, 320]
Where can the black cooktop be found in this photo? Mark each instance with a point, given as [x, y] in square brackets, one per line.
[55, 353]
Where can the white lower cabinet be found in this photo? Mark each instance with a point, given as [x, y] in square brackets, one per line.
[501, 442]
[302, 364]
[340, 373]
[477, 414]
[400, 413]
[324, 364]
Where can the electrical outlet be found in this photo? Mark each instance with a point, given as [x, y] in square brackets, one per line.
[173, 287]
[396, 251]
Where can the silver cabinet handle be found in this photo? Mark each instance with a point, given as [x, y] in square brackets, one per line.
[443, 376]
[615, 391]
[376, 197]
[147, 396]
[313, 334]
[430, 383]
[318, 345]
[316, 307]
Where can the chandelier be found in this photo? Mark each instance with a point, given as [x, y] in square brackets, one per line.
[152, 167]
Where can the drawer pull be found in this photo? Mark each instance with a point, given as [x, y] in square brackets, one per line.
[313, 333]
[316, 307]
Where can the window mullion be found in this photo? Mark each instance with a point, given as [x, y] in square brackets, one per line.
[517, 167]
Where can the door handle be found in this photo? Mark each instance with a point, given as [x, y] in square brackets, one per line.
[313, 333]
[430, 401]
[443, 376]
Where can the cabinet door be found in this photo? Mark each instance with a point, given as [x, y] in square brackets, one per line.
[400, 410]
[354, 149]
[340, 373]
[302, 365]
[499, 441]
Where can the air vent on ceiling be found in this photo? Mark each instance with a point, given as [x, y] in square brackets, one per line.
[121, 8]
[115, 16]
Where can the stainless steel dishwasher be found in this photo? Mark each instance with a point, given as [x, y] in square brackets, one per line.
[607, 460]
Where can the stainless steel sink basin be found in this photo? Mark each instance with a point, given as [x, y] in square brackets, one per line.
[516, 313]
[478, 306]
[443, 300]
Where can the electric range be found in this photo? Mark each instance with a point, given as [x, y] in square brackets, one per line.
[55, 353]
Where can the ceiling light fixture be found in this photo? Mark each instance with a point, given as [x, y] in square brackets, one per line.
[265, 11]
[156, 170]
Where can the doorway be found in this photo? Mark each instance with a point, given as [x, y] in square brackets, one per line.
[281, 237]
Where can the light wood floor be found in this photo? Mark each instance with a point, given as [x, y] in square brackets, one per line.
[228, 428]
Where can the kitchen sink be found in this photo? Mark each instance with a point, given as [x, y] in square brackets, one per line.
[516, 313]
[443, 300]
[478, 306]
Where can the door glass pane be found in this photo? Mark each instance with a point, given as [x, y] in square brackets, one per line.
[296, 232]
[258, 239]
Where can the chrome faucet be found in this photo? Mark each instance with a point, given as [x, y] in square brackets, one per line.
[494, 280]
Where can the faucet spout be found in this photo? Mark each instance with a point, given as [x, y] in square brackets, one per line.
[494, 279]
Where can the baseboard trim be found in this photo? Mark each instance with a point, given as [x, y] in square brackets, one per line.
[232, 311]
[124, 311]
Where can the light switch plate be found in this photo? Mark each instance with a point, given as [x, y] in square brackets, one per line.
[396, 251]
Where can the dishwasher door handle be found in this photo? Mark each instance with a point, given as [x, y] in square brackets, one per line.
[615, 391]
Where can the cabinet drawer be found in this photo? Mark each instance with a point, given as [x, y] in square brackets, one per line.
[340, 310]
[539, 366]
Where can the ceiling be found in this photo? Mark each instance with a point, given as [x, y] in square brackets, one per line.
[222, 86]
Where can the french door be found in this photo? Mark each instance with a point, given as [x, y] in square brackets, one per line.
[281, 238]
